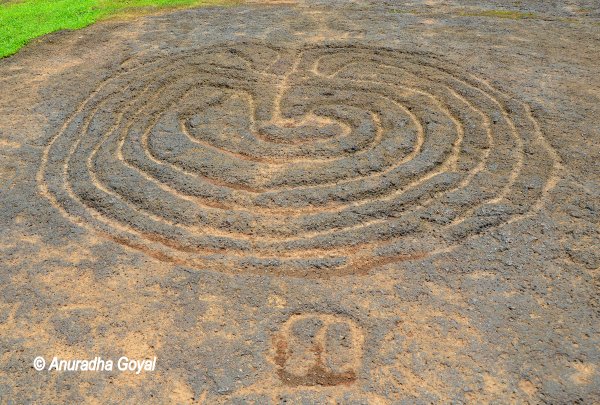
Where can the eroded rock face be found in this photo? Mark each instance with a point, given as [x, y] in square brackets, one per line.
[320, 202]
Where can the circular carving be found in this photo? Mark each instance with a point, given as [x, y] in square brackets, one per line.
[324, 160]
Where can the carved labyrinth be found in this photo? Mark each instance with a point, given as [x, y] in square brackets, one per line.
[308, 162]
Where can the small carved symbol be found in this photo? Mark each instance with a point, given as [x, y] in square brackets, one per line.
[318, 350]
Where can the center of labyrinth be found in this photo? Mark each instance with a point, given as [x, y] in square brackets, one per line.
[308, 162]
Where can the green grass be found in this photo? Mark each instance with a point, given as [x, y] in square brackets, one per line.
[513, 15]
[20, 21]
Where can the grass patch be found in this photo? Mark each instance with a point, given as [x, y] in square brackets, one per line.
[21, 21]
[513, 15]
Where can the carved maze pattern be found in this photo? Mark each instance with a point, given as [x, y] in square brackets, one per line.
[309, 162]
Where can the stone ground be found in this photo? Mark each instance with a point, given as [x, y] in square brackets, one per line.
[306, 202]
